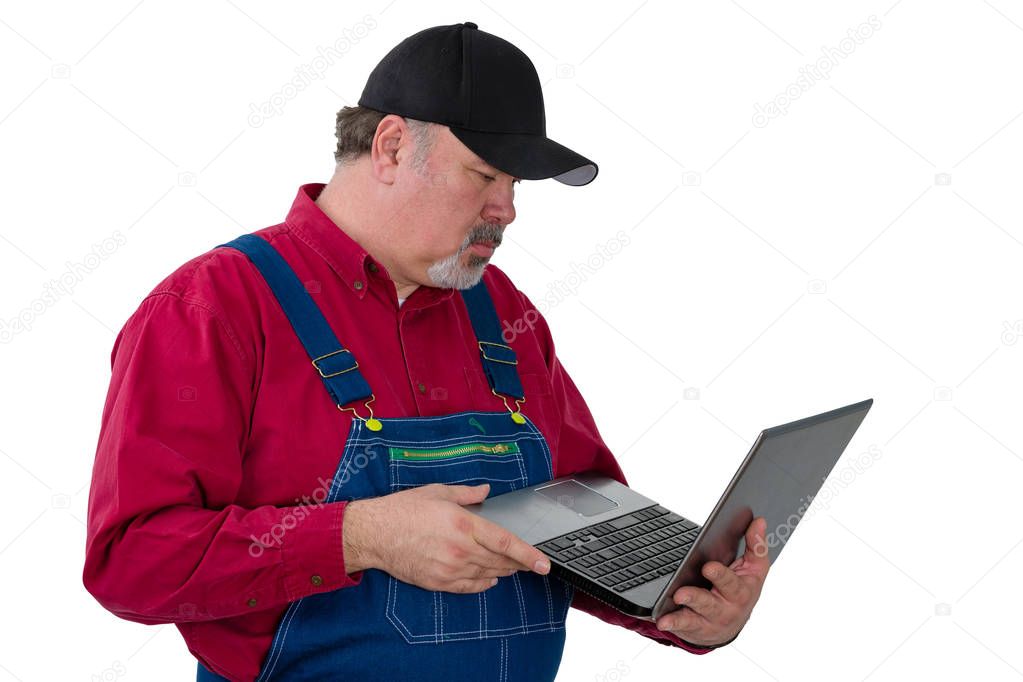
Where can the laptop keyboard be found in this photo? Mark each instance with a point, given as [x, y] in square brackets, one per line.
[628, 551]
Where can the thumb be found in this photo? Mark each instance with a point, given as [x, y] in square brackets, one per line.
[756, 541]
[470, 494]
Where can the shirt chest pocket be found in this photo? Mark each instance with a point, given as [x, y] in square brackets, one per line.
[520, 603]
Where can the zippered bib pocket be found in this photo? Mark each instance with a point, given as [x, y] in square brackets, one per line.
[499, 464]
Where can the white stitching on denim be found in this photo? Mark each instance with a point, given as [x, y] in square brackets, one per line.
[355, 438]
[438, 622]
[497, 436]
[543, 443]
[277, 646]
[425, 465]
[395, 468]
[346, 460]
[289, 618]
[550, 603]
[461, 635]
[522, 603]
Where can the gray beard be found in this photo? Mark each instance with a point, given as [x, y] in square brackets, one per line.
[449, 273]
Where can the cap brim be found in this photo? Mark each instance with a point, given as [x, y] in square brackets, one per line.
[530, 157]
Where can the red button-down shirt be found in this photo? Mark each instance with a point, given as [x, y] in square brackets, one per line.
[217, 430]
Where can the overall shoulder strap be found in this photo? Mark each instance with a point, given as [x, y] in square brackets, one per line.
[335, 364]
[499, 362]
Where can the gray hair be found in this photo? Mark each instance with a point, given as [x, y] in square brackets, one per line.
[357, 126]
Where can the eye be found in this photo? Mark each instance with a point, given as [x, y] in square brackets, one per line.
[489, 178]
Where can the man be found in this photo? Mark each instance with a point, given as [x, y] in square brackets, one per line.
[305, 522]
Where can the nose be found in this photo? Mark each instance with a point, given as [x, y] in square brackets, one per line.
[500, 204]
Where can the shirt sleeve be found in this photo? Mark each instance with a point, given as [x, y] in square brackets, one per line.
[165, 541]
[581, 448]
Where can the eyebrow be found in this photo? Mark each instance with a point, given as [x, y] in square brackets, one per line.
[491, 170]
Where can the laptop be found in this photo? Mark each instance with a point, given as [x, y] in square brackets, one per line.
[632, 553]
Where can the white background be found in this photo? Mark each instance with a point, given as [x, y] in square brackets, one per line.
[864, 244]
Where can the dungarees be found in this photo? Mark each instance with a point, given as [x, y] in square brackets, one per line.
[383, 628]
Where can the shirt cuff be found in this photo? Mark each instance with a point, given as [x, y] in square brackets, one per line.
[666, 638]
[694, 648]
[313, 550]
[599, 609]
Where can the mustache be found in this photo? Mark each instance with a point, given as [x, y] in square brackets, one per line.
[484, 232]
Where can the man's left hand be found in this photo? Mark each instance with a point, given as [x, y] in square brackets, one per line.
[715, 616]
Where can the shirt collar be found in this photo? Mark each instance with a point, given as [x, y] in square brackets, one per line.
[352, 263]
[345, 256]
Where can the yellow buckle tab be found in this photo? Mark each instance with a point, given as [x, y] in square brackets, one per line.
[499, 345]
[334, 374]
[372, 423]
[516, 414]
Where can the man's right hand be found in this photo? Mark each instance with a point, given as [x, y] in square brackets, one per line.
[423, 536]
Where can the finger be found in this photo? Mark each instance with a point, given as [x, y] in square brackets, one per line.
[728, 584]
[466, 586]
[467, 494]
[701, 601]
[756, 542]
[684, 621]
[489, 569]
[507, 544]
[483, 573]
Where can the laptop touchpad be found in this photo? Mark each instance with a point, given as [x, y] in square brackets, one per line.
[578, 497]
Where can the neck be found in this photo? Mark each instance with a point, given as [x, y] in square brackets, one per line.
[346, 200]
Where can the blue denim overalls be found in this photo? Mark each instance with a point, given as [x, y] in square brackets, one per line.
[383, 628]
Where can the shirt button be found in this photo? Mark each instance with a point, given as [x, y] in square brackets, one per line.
[252, 602]
[422, 388]
[358, 285]
[316, 580]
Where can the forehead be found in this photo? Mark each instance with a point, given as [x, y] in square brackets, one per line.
[457, 149]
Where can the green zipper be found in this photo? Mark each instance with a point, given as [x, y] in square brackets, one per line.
[457, 451]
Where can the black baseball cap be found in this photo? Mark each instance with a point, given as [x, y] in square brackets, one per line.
[485, 90]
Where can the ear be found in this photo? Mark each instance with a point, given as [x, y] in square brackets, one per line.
[392, 136]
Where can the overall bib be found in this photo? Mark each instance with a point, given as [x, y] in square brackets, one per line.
[383, 628]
